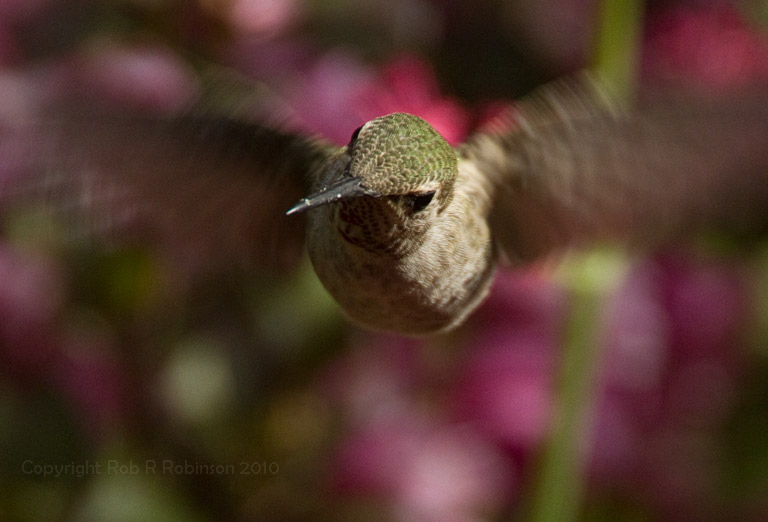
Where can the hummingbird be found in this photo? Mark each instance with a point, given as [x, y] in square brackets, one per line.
[404, 230]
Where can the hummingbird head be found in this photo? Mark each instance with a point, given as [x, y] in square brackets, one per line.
[398, 156]
[401, 155]
[395, 176]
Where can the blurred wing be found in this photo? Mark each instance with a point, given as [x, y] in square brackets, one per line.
[577, 168]
[204, 190]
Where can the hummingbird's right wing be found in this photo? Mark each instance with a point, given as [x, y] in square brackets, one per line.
[572, 166]
[204, 190]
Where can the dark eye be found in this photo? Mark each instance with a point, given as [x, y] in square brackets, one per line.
[354, 136]
[421, 201]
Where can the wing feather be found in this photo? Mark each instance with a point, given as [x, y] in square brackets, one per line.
[203, 189]
[572, 166]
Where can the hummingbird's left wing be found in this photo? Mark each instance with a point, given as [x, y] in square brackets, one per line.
[204, 190]
[572, 166]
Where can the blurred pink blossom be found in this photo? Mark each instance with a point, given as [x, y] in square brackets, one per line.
[20, 97]
[38, 348]
[669, 379]
[327, 100]
[31, 294]
[137, 77]
[373, 457]
[91, 376]
[13, 15]
[400, 451]
[637, 337]
[505, 385]
[678, 476]
[263, 17]
[710, 48]
[16, 11]
[8, 47]
[334, 94]
[523, 300]
[424, 470]
[453, 476]
[707, 302]
[407, 84]
[376, 378]
[708, 305]
[507, 392]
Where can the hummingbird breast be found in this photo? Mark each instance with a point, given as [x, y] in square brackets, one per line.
[414, 282]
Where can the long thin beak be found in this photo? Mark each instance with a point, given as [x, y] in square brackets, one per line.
[344, 188]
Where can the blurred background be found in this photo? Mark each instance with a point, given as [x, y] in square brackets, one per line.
[602, 387]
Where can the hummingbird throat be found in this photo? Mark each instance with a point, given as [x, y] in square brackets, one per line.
[375, 225]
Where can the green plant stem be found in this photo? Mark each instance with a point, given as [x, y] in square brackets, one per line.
[617, 45]
[559, 485]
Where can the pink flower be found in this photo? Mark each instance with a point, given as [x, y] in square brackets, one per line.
[423, 470]
[8, 46]
[39, 350]
[402, 453]
[140, 77]
[506, 391]
[91, 376]
[616, 442]
[376, 377]
[262, 17]
[669, 378]
[505, 384]
[712, 49]
[14, 15]
[372, 459]
[335, 94]
[708, 307]
[15, 11]
[673, 336]
[636, 333]
[31, 294]
[453, 476]
[523, 300]
[327, 98]
[707, 304]
[408, 85]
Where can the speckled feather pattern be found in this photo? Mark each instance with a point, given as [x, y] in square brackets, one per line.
[416, 154]
[391, 268]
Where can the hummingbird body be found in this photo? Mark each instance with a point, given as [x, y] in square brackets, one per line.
[396, 271]
[403, 230]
